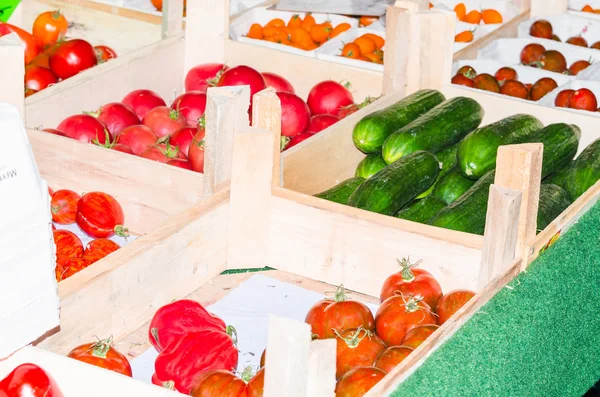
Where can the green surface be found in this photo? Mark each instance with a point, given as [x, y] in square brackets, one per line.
[539, 338]
[7, 7]
[236, 271]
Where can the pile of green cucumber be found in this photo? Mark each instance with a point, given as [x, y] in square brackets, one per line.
[429, 160]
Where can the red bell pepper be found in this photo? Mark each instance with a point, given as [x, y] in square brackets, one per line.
[173, 321]
[184, 361]
[29, 380]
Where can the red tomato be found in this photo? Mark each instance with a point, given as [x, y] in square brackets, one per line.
[356, 348]
[398, 315]
[295, 115]
[99, 215]
[506, 73]
[541, 87]
[417, 335]
[321, 121]
[562, 99]
[64, 206]
[116, 117]
[486, 82]
[348, 110]
[357, 382]
[460, 79]
[467, 71]
[85, 128]
[515, 89]
[54, 131]
[104, 53]
[542, 29]
[296, 140]
[219, 383]
[391, 357]
[68, 246]
[412, 280]
[103, 355]
[71, 267]
[138, 138]
[196, 151]
[243, 75]
[553, 61]
[163, 153]
[31, 48]
[37, 78]
[191, 105]
[578, 66]
[49, 27]
[256, 385]
[142, 101]
[532, 53]
[451, 303]
[164, 120]
[583, 99]
[278, 83]
[327, 316]
[328, 97]
[182, 138]
[578, 41]
[179, 163]
[99, 248]
[29, 380]
[42, 60]
[200, 77]
[71, 57]
[119, 147]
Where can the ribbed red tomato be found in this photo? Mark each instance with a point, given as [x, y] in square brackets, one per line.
[163, 153]
[295, 115]
[356, 348]
[219, 383]
[328, 97]
[196, 151]
[71, 267]
[391, 357]
[103, 355]
[38, 78]
[180, 163]
[321, 121]
[256, 385]
[138, 138]
[243, 75]
[104, 53]
[164, 120]
[451, 303]
[29, 380]
[412, 280]
[31, 48]
[116, 117]
[49, 27]
[99, 215]
[142, 101]
[418, 335]
[357, 382]
[296, 139]
[72, 57]
[64, 206]
[398, 315]
[84, 128]
[99, 248]
[68, 246]
[200, 77]
[278, 83]
[182, 138]
[191, 105]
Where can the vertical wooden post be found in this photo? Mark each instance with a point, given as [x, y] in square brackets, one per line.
[519, 167]
[321, 368]
[13, 73]
[500, 237]
[172, 17]
[540, 8]
[226, 113]
[206, 29]
[266, 114]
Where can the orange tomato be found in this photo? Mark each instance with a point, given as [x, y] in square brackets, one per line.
[269, 31]
[302, 38]
[464, 37]
[49, 27]
[491, 16]
[272, 39]
[277, 23]
[380, 57]
[379, 41]
[373, 57]
[342, 27]
[320, 33]
[430, 6]
[255, 32]
[587, 8]
[461, 11]
[366, 45]
[366, 21]
[363, 58]
[351, 50]
[473, 17]
[295, 21]
[308, 22]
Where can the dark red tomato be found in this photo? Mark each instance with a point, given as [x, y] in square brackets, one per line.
[327, 316]
[29, 380]
[196, 151]
[164, 121]
[596, 45]
[451, 303]
[295, 115]
[71, 57]
[103, 355]
[104, 53]
[142, 101]
[356, 348]
[256, 385]
[200, 77]
[182, 138]
[49, 27]
[138, 138]
[64, 206]
[68, 246]
[515, 89]
[578, 66]
[328, 97]
[191, 105]
[219, 383]
[54, 131]
[542, 29]
[583, 99]
[411, 280]
[180, 163]
[116, 117]
[70, 268]
[578, 41]
[418, 335]
[357, 382]
[460, 79]
[163, 153]
[541, 87]
[37, 78]
[467, 71]
[391, 357]
[296, 140]
[85, 128]
[562, 99]
[486, 82]
[99, 248]
[553, 61]
[398, 315]
[99, 215]
[555, 38]
[321, 121]
[243, 75]
[31, 48]
[278, 83]
[119, 147]
[506, 73]
[532, 53]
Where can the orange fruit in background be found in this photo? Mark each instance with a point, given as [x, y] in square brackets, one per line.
[158, 4]
[379, 41]
[342, 27]
[374, 57]
[366, 45]
[430, 5]
[363, 58]
[461, 11]
[473, 17]
[255, 32]
[464, 37]
[320, 33]
[308, 22]
[301, 37]
[491, 16]
[366, 21]
[270, 31]
[277, 23]
[351, 50]
[295, 21]
[587, 8]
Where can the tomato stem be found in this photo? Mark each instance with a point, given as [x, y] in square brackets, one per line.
[169, 385]
[232, 332]
[154, 332]
[121, 231]
[247, 374]
[406, 269]
[101, 348]
[340, 294]
[354, 339]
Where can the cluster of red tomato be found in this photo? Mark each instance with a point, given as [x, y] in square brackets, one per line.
[50, 58]
[544, 30]
[98, 215]
[536, 55]
[582, 99]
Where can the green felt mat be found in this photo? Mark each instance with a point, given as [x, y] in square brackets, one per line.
[542, 338]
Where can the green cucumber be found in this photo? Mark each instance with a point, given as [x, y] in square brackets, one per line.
[560, 146]
[584, 172]
[467, 214]
[370, 165]
[442, 126]
[447, 159]
[398, 184]
[553, 201]
[559, 178]
[372, 130]
[452, 186]
[342, 191]
[477, 152]
[421, 210]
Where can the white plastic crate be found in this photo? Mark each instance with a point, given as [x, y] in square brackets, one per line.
[331, 51]
[567, 26]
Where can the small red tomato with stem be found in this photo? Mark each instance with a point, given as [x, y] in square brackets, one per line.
[542, 87]
[486, 82]
[328, 97]
[391, 357]
[220, 383]
[412, 280]
[515, 89]
[38, 78]
[102, 354]
[142, 101]
[85, 128]
[542, 29]
[578, 66]
[278, 83]
[583, 99]
[532, 53]
[104, 53]
[116, 117]
[32, 50]
[357, 382]
[164, 120]
[72, 57]
[49, 27]
[562, 99]
[467, 71]
[356, 348]
[29, 380]
[182, 138]
[328, 316]
[451, 303]
[295, 115]
[398, 314]
[163, 153]
[64, 206]
[200, 77]
[506, 73]
[99, 248]
[460, 79]
[196, 151]
[418, 335]
[321, 121]
[138, 138]
[71, 267]
[68, 246]
[99, 215]
[191, 105]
